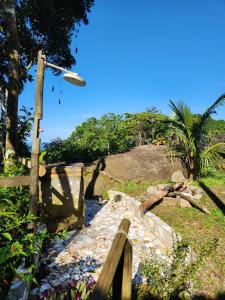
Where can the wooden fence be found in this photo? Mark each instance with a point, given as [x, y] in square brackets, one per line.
[117, 270]
[21, 180]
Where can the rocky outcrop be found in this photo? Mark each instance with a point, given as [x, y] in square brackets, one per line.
[147, 162]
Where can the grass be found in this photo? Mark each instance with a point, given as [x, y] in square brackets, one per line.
[198, 229]
[137, 189]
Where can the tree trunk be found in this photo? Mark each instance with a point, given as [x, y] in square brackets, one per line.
[4, 97]
[191, 172]
[13, 82]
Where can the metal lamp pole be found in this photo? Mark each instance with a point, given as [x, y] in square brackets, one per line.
[34, 172]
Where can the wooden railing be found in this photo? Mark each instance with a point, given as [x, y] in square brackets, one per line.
[117, 270]
[21, 180]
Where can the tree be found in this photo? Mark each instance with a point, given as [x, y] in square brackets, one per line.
[146, 126]
[25, 27]
[95, 138]
[189, 138]
[139, 124]
[59, 150]
[13, 74]
[114, 134]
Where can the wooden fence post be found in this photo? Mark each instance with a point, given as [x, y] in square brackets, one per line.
[34, 172]
[105, 279]
[126, 293]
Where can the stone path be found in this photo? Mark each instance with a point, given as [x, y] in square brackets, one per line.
[81, 255]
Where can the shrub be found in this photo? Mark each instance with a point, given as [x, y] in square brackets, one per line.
[18, 245]
[171, 279]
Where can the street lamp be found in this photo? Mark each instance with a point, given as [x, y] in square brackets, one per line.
[72, 78]
[69, 76]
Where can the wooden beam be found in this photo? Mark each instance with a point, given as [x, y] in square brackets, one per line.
[34, 171]
[126, 293]
[105, 279]
[14, 181]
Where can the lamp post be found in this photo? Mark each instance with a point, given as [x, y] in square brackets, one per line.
[34, 172]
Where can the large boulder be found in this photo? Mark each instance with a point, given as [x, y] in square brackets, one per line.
[147, 162]
[178, 176]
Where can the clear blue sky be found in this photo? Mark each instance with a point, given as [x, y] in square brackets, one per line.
[136, 54]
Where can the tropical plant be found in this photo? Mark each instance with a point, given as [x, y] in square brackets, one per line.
[17, 244]
[189, 139]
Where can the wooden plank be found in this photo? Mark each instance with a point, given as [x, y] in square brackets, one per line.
[14, 181]
[105, 279]
[126, 293]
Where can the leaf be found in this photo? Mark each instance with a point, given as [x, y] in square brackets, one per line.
[6, 214]
[7, 236]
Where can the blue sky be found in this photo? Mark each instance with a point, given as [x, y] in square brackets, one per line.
[137, 54]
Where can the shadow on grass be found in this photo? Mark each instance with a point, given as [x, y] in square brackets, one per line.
[219, 296]
[214, 198]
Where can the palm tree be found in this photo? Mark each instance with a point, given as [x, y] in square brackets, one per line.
[189, 139]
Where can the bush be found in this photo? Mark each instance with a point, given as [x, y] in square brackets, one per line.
[171, 279]
[59, 150]
[18, 245]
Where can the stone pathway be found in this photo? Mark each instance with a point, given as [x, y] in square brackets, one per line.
[81, 255]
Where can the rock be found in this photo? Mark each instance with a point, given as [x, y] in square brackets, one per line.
[178, 176]
[183, 203]
[146, 162]
[152, 190]
[45, 287]
[55, 283]
[163, 187]
[169, 201]
[196, 193]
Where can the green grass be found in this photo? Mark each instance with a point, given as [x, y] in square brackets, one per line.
[137, 188]
[214, 178]
[197, 228]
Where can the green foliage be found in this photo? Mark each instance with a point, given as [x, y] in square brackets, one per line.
[215, 127]
[171, 279]
[96, 138]
[59, 150]
[15, 170]
[77, 290]
[16, 241]
[47, 26]
[189, 140]
[25, 123]
[213, 177]
[145, 127]
[111, 134]
[137, 188]
[117, 133]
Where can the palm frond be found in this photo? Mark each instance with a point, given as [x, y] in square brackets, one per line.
[211, 110]
[184, 116]
[212, 156]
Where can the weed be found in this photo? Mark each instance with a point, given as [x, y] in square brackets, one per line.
[172, 279]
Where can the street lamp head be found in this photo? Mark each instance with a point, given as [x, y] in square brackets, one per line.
[74, 79]
[69, 76]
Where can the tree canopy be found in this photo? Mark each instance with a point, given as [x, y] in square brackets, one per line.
[27, 26]
[42, 24]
